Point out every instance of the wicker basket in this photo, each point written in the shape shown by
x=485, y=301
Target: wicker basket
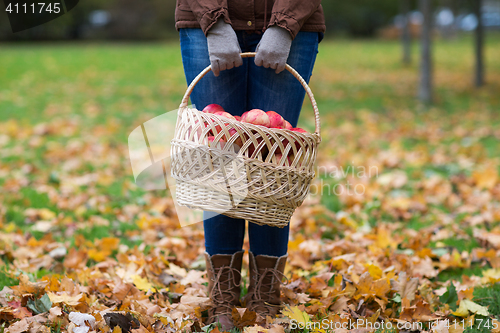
x=242, y=176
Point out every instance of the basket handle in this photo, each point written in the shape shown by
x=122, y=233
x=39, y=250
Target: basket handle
x=316, y=133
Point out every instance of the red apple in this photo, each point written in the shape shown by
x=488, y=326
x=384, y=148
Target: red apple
x=256, y=117
x=275, y=120
x=224, y=114
x=237, y=118
x=198, y=128
x=238, y=141
x=212, y=108
x=287, y=125
x=219, y=144
x=279, y=156
x=300, y=130
x=263, y=151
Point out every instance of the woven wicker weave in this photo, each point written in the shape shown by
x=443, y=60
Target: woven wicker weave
x=239, y=174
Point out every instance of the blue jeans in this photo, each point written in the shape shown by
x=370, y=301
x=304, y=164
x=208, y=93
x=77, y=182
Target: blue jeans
x=238, y=90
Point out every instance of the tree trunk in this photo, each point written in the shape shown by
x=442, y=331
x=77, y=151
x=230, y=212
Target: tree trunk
x=479, y=44
x=455, y=8
x=448, y=32
x=405, y=35
x=425, y=88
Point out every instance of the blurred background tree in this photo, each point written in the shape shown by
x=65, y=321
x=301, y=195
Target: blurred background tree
x=361, y=18
x=154, y=19
x=94, y=19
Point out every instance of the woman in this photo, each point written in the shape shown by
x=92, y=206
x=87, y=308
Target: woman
x=215, y=32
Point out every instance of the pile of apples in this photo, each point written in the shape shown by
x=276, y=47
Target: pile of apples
x=268, y=119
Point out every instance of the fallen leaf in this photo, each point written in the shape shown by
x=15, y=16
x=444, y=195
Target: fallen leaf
x=243, y=317
x=405, y=287
x=467, y=306
x=294, y=313
x=142, y=283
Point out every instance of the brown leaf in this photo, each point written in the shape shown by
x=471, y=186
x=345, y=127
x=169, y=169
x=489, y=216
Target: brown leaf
x=340, y=305
x=20, y=312
x=27, y=287
x=275, y=328
x=18, y=327
x=423, y=312
x=75, y=259
x=125, y=321
x=406, y=288
x=243, y=317
x=7, y=313
x=54, y=312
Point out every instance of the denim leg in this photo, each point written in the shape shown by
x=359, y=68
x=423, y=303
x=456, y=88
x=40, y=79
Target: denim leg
x=267, y=240
x=227, y=90
x=259, y=88
x=282, y=92
x=285, y=95
x=223, y=235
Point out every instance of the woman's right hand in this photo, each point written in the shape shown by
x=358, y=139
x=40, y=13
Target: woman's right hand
x=223, y=47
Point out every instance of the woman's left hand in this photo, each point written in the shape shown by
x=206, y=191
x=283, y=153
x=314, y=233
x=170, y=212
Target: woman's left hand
x=273, y=48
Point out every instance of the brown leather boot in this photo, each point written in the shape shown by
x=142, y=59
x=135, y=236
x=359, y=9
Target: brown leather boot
x=224, y=277
x=266, y=273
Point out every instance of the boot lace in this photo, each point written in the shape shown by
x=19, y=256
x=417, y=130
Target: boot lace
x=223, y=293
x=258, y=301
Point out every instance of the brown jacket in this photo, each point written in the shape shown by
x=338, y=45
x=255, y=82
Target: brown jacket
x=293, y=15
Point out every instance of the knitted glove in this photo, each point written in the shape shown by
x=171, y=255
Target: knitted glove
x=223, y=47
x=273, y=48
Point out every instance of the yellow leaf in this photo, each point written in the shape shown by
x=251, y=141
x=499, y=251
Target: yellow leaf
x=294, y=244
x=337, y=281
x=467, y=305
x=166, y=320
x=10, y=227
x=65, y=298
x=345, y=219
x=46, y=214
x=142, y=283
x=294, y=313
x=373, y=318
x=98, y=255
x=462, y=310
x=374, y=271
x=496, y=326
x=117, y=329
x=109, y=244
x=491, y=275
x=467, y=293
x=33, y=242
x=470, y=320
x=486, y=178
x=384, y=238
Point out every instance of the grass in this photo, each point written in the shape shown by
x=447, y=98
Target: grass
x=119, y=86
x=125, y=81
x=6, y=280
x=489, y=297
